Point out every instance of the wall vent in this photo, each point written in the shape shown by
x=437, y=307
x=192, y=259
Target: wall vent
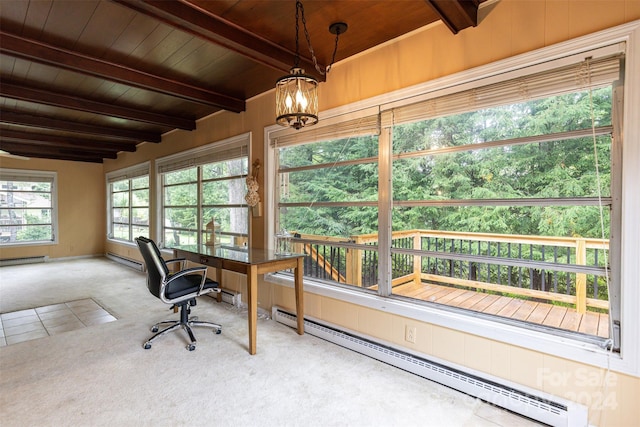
x=137, y=265
x=539, y=406
x=23, y=260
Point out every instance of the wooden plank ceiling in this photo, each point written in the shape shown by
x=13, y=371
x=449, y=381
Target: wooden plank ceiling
x=85, y=80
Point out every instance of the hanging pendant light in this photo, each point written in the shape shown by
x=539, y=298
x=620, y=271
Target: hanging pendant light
x=297, y=99
x=297, y=92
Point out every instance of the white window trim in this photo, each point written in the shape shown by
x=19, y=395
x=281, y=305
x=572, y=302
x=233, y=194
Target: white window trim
x=54, y=203
x=628, y=361
x=126, y=173
x=205, y=150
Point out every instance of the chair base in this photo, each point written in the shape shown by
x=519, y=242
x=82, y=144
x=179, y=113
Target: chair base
x=184, y=323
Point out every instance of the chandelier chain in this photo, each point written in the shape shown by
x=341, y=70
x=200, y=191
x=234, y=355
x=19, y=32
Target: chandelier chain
x=297, y=59
x=300, y=7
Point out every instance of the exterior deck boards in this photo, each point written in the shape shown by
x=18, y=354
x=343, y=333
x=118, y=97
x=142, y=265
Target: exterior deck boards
x=566, y=318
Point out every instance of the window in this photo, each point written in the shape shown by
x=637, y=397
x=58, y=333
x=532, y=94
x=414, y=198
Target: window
x=205, y=186
x=27, y=207
x=128, y=192
x=506, y=205
x=327, y=196
x=497, y=197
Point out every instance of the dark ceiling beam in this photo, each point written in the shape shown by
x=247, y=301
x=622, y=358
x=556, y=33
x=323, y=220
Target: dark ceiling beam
x=457, y=15
x=97, y=146
x=21, y=119
x=38, y=51
x=56, y=99
x=19, y=149
x=191, y=18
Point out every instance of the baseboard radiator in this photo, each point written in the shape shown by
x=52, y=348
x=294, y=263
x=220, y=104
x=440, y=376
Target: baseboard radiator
x=24, y=260
x=137, y=265
x=544, y=408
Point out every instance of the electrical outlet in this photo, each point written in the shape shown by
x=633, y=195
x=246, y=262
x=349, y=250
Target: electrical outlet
x=410, y=334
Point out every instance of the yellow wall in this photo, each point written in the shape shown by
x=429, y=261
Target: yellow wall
x=81, y=209
x=510, y=27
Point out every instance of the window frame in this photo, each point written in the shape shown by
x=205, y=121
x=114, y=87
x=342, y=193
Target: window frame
x=130, y=173
x=199, y=157
x=34, y=175
x=628, y=360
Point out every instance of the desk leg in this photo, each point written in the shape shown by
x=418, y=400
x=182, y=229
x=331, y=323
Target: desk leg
x=252, y=299
x=299, y=295
x=219, y=280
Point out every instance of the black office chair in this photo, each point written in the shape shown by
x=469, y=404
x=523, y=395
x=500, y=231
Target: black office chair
x=179, y=289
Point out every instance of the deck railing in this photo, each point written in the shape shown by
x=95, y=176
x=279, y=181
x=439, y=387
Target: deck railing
x=560, y=269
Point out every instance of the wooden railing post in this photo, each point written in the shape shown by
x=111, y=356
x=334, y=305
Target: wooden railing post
x=417, y=259
x=581, y=278
x=354, y=264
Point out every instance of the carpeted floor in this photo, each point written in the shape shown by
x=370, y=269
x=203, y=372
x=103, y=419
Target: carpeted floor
x=101, y=376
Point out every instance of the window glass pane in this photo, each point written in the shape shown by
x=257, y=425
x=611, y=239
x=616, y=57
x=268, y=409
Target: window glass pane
x=227, y=191
x=538, y=117
x=120, y=215
x=140, y=182
x=26, y=211
x=210, y=192
x=181, y=176
x=121, y=231
x=120, y=200
x=140, y=216
x=120, y=185
x=181, y=195
x=173, y=237
x=226, y=168
x=25, y=186
x=34, y=233
x=328, y=152
x=139, y=230
x=140, y=198
x=34, y=199
x=540, y=170
x=232, y=222
x=326, y=177
x=559, y=221
x=184, y=218
x=342, y=222
x=341, y=183
x=129, y=208
x=485, y=254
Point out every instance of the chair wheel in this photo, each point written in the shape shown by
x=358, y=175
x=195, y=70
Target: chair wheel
x=218, y=331
x=154, y=329
x=147, y=345
x=191, y=347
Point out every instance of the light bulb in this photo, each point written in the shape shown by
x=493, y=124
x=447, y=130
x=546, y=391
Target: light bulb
x=301, y=100
x=288, y=102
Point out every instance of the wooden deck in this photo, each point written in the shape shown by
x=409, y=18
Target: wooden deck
x=566, y=318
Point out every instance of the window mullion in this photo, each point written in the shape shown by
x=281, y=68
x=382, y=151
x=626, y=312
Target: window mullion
x=615, y=244
x=130, y=211
x=200, y=208
x=385, y=197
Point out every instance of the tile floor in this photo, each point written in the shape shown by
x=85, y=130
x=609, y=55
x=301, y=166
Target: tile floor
x=40, y=322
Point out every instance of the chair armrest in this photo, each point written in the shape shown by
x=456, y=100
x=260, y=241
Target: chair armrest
x=202, y=271
x=182, y=262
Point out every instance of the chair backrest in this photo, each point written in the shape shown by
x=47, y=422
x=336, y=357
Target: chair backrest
x=157, y=269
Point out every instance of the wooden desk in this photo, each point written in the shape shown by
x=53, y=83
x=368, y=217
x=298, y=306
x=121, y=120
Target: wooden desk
x=251, y=262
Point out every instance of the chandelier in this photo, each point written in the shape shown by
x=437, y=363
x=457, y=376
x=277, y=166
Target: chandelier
x=297, y=92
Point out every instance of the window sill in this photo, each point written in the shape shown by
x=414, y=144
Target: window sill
x=25, y=244
x=564, y=347
x=121, y=242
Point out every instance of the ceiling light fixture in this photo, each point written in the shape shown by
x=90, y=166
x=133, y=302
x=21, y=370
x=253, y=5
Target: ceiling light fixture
x=297, y=92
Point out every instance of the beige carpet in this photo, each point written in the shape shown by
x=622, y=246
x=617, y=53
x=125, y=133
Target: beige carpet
x=101, y=376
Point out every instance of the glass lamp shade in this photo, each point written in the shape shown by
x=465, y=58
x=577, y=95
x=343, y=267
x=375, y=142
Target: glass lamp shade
x=297, y=100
